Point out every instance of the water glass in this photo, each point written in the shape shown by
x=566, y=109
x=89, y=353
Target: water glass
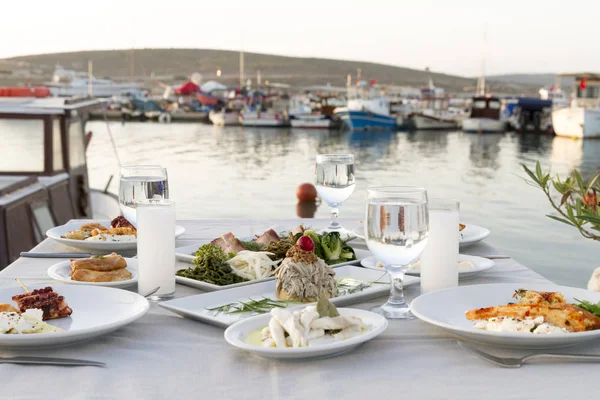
x=335, y=183
x=138, y=183
x=396, y=232
x=156, y=247
x=439, y=261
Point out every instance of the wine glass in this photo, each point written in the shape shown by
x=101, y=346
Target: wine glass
x=396, y=231
x=335, y=182
x=138, y=183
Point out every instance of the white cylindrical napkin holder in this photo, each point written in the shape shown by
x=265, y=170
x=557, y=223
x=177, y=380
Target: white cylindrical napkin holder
x=156, y=247
x=439, y=261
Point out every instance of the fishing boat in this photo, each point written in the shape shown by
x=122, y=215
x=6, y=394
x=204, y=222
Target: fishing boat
x=312, y=113
x=44, y=177
x=265, y=110
x=224, y=117
x=526, y=114
x=434, y=111
x=485, y=116
x=368, y=108
x=582, y=118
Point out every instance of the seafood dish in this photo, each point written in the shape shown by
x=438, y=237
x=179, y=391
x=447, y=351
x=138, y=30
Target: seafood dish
x=311, y=326
x=121, y=230
x=537, y=313
x=108, y=268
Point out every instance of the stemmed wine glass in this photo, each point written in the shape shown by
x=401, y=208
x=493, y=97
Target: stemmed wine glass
x=138, y=183
x=335, y=182
x=396, y=231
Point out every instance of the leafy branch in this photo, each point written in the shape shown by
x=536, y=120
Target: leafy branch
x=579, y=206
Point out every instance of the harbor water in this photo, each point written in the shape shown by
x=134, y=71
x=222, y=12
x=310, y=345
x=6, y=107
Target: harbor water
x=234, y=172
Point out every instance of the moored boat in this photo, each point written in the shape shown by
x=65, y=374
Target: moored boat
x=224, y=117
x=267, y=118
x=582, y=118
x=44, y=177
x=485, y=116
x=368, y=108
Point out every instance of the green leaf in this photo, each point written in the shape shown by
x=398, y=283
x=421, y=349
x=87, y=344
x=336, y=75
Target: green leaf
x=531, y=175
x=325, y=308
x=594, y=219
x=579, y=181
x=564, y=221
x=538, y=170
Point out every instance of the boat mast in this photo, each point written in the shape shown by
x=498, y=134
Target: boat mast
x=481, y=80
x=241, y=69
x=90, y=77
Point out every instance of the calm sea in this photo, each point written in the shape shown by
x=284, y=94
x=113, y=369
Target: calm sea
x=230, y=172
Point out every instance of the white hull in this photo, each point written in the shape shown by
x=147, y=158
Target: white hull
x=481, y=125
x=576, y=122
x=424, y=122
x=264, y=119
x=311, y=123
x=224, y=119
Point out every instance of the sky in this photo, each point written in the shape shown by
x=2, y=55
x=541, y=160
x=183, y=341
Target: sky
x=524, y=36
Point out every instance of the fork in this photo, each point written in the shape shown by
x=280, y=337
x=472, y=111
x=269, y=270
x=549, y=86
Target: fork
x=509, y=362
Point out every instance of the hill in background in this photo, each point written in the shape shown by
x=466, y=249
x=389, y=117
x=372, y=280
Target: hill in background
x=175, y=65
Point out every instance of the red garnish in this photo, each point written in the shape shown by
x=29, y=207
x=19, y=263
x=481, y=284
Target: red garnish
x=306, y=243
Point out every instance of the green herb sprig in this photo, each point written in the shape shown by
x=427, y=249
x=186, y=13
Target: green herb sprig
x=262, y=306
x=588, y=306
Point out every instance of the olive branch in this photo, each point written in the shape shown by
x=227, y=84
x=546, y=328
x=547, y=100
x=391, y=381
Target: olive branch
x=578, y=207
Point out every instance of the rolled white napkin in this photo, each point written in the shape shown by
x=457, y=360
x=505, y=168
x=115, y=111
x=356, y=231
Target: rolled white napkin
x=594, y=283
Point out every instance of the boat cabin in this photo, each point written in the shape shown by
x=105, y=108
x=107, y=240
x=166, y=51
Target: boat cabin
x=586, y=88
x=43, y=168
x=486, y=107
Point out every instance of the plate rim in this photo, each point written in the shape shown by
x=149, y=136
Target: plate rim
x=230, y=337
x=51, y=272
x=50, y=233
x=464, y=273
x=10, y=340
x=503, y=335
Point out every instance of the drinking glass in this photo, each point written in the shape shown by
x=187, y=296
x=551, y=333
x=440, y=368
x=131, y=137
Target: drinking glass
x=439, y=261
x=335, y=182
x=156, y=247
x=396, y=231
x=139, y=183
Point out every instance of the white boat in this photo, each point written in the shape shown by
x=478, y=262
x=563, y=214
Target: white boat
x=68, y=83
x=576, y=122
x=485, y=116
x=582, y=118
x=435, y=112
x=264, y=118
x=303, y=115
x=428, y=120
x=223, y=118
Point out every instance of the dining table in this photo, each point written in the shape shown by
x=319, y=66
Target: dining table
x=165, y=356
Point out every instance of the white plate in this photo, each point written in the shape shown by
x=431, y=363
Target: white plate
x=480, y=264
x=96, y=311
x=472, y=234
x=446, y=309
x=209, y=287
x=95, y=246
x=236, y=336
x=62, y=272
x=469, y=236
x=196, y=307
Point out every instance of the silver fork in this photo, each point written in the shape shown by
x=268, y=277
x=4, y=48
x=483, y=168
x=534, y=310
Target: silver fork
x=509, y=362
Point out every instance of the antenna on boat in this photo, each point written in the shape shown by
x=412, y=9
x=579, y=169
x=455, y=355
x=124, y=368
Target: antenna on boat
x=481, y=79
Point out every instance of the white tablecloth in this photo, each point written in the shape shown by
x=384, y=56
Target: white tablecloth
x=165, y=356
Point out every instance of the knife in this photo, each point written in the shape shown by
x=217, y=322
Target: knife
x=51, y=361
x=54, y=255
